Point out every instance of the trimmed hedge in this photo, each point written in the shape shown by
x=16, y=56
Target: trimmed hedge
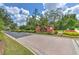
x=71, y=33
x=30, y=31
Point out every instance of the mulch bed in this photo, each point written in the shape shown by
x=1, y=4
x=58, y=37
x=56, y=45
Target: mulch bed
x=2, y=46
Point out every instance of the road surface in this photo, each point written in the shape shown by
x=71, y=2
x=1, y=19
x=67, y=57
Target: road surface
x=45, y=44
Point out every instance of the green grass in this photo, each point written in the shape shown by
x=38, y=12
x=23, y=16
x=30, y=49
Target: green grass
x=12, y=47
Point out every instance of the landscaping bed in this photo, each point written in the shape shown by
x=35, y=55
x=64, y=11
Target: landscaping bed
x=66, y=33
x=70, y=33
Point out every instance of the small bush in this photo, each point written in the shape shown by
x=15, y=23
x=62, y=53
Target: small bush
x=55, y=32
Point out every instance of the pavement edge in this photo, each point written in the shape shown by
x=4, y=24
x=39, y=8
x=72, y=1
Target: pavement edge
x=20, y=43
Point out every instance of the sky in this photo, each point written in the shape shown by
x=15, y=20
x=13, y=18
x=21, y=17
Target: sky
x=20, y=11
x=28, y=6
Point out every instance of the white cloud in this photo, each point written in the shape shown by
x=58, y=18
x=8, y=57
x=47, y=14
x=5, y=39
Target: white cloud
x=77, y=16
x=51, y=6
x=61, y=5
x=25, y=12
x=12, y=10
x=20, y=19
x=73, y=9
x=19, y=15
x=68, y=10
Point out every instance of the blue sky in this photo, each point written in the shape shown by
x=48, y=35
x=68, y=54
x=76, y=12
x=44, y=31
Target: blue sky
x=32, y=6
x=71, y=4
x=28, y=6
x=20, y=11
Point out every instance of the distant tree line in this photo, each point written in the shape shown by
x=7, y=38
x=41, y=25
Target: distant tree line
x=54, y=18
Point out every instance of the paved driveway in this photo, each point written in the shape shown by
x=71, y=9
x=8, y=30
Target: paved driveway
x=18, y=34
x=48, y=45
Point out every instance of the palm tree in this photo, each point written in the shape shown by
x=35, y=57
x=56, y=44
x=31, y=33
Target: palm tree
x=55, y=14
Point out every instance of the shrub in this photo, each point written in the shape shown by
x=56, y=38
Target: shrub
x=30, y=31
x=71, y=33
x=55, y=32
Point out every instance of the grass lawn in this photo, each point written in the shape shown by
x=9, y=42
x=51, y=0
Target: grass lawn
x=12, y=47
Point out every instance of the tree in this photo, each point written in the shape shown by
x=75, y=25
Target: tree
x=1, y=19
x=68, y=21
x=55, y=15
x=1, y=24
x=13, y=26
x=7, y=20
x=77, y=24
x=71, y=24
x=32, y=21
x=30, y=24
x=43, y=23
x=35, y=13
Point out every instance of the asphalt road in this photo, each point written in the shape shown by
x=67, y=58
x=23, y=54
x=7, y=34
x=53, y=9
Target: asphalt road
x=18, y=34
x=45, y=44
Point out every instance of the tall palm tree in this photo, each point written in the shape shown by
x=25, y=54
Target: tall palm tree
x=55, y=14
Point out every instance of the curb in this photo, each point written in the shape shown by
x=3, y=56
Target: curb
x=30, y=49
